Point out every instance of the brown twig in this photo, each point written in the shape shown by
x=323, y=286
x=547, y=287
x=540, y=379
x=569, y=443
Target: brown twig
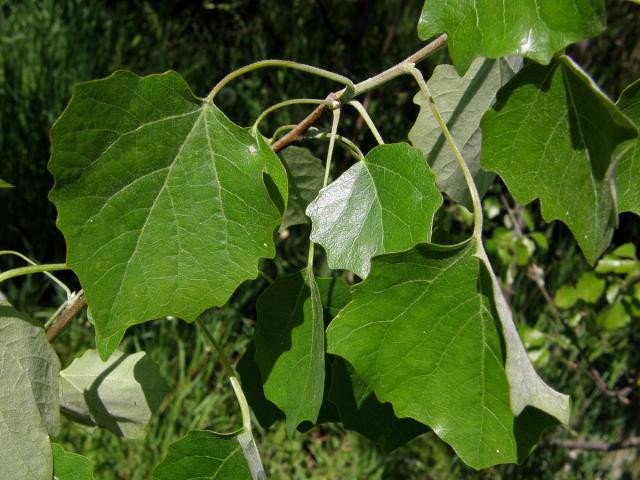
x=599, y=446
x=73, y=309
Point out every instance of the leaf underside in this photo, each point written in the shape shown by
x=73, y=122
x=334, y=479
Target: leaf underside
x=423, y=333
x=161, y=198
x=554, y=136
x=535, y=29
x=382, y=204
x=628, y=170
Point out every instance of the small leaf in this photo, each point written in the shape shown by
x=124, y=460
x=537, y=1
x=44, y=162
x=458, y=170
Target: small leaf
x=361, y=411
x=628, y=170
x=553, y=135
x=70, y=466
x=203, y=455
x=120, y=394
x=627, y=250
x=462, y=101
x=617, y=265
x=382, y=204
x=423, y=332
x=566, y=297
x=590, y=288
x=165, y=204
x=613, y=317
x=29, y=409
x=536, y=29
x=305, y=173
x=4, y=184
x=289, y=343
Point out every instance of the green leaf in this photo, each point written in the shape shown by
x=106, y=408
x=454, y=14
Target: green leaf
x=204, y=455
x=553, y=135
x=4, y=184
x=305, y=173
x=424, y=333
x=626, y=250
x=289, y=343
x=617, y=265
x=28, y=397
x=566, y=297
x=382, y=204
x=462, y=101
x=120, y=394
x=70, y=466
x=613, y=317
x=360, y=410
x=335, y=293
x=590, y=288
x=628, y=170
x=165, y=204
x=536, y=29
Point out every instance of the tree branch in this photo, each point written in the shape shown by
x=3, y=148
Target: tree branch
x=598, y=446
x=73, y=309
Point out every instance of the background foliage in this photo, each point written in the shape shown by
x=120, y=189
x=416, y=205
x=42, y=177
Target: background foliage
x=46, y=46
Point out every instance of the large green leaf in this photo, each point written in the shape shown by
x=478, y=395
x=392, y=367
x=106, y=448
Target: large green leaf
x=536, y=29
x=165, y=204
x=29, y=409
x=628, y=171
x=204, y=455
x=382, y=204
x=120, y=394
x=424, y=333
x=305, y=173
x=554, y=136
x=462, y=101
x=289, y=343
x=70, y=466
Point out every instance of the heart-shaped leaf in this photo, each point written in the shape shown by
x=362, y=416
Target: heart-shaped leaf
x=536, y=29
x=554, y=136
x=165, y=204
x=628, y=170
x=382, y=204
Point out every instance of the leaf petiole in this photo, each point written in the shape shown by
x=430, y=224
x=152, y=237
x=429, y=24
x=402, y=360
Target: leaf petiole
x=367, y=119
x=286, y=103
x=50, y=267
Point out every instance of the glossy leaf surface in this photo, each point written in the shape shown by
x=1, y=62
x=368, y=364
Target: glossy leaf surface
x=120, y=394
x=289, y=343
x=70, y=466
x=382, y=204
x=462, y=101
x=29, y=409
x=164, y=203
x=554, y=136
x=628, y=170
x=536, y=29
x=424, y=334
x=305, y=173
x=203, y=455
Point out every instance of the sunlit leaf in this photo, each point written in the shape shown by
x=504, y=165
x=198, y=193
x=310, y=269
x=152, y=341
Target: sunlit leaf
x=70, y=466
x=4, y=184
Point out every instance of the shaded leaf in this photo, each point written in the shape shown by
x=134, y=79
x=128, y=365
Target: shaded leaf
x=335, y=293
x=70, y=466
x=305, y=173
x=289, y=343
x=613, y=317
x=165, y=204
x=536, y=29
x=628, y=170
x=382, y=204
x=204, y=455
x=120, y=394
x=424, y=333
x=554, y=136
x=29, y=409
x=462, y=101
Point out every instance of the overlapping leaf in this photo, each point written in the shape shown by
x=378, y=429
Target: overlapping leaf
x=29, y=409
x=628, y=170
x=289, y=343
x=424, y=334
x=536, y=29
x=382, y=204
x=462, y=101
x=305, y=174
x=554, y=136
x=120, y=394
x=165, y=204
x=203, y=455
x=70, y=466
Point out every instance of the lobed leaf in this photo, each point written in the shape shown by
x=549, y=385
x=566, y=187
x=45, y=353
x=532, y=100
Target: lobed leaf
x=554, y=135
x=165, y=204
x=536, y=29
x=120, y=394
x=628, y=170
x=289, y=343
x=382, y=204
x=29, y=410
x=70, y=466
x=462, y=101
x=204, y=455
